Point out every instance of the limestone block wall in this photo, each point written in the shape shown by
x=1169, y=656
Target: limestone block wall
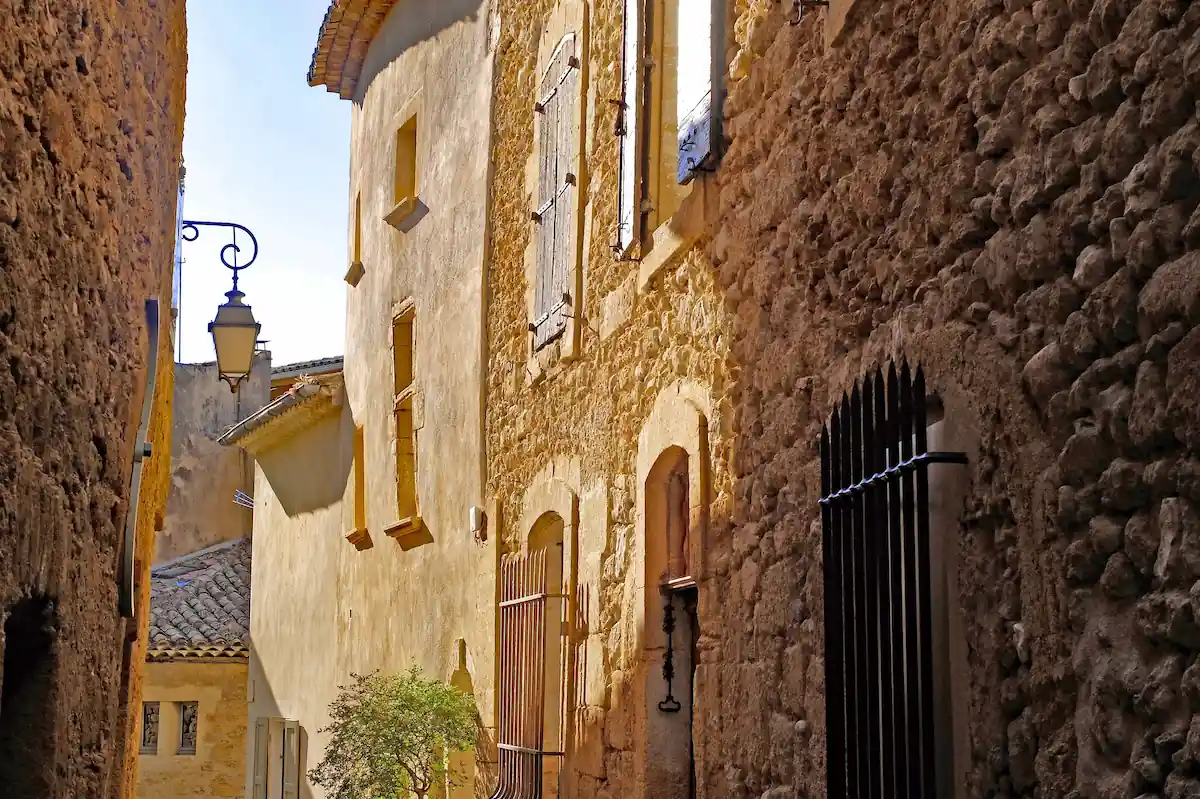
x=1006, y=193
x=91, y=115
x=217, y=769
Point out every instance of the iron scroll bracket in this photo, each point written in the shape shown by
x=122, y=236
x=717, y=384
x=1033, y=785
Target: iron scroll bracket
x=190, y=231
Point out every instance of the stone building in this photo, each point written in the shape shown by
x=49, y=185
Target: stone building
x=91, y=120
x=193, y=712
x=205, y=476
x=836, y=370
x=1001, y=193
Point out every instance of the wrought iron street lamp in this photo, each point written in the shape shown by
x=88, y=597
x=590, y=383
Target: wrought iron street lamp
x=234, y=330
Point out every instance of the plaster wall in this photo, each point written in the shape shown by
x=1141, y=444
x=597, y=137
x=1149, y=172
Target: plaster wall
x=296, y=597
x=91, y=120
x=216, y=770
x=204, y=474
x=321, y=607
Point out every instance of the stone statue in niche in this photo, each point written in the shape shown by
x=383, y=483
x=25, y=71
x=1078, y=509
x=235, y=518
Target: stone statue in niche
x=187, y=726
x=149, y=727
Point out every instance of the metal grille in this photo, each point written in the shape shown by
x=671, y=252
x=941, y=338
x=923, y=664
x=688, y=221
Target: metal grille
x=524, y=591
x=875, y=544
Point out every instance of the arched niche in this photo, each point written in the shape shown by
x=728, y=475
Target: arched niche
x=672, y=525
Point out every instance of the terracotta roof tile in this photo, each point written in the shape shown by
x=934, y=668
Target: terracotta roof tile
x=201, y=602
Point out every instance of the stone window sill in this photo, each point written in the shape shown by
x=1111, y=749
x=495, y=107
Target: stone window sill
x=401, y=212
x=360, y=538
x=355, y=273
x=409, y=533
x=672, y=239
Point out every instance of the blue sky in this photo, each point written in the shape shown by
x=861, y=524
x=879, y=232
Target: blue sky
x=264, y=149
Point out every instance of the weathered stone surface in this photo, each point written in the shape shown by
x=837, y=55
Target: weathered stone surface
x=91, y=127
x=1183, y=386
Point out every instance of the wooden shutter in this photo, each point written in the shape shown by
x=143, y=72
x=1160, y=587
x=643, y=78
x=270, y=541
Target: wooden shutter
x=696, y=80
x=629, y=130
x=260, y=759
x=556, y=193
x=291, y=760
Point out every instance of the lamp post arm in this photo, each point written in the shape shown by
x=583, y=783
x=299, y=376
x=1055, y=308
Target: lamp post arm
x=190, y=231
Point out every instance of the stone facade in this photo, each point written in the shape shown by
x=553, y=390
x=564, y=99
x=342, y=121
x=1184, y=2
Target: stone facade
x=204, y=475
x=216, y=770
x=355, y=535
x=1002, y=192
x=91, y=119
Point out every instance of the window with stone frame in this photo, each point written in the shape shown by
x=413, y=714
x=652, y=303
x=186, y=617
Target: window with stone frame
x=404, y=406
x=150, y=716
x=669, y=123
x=556, y=112
x=189, y=727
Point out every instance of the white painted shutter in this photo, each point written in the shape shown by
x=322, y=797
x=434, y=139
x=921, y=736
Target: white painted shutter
x=261, y=732
x=629, y=130
x=698, y=123
x=291, y=760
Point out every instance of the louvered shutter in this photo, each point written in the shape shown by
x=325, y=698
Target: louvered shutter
x=291, y=760
x=556, y=194
x=697, y=79
x=631, y=83
x=260, y=759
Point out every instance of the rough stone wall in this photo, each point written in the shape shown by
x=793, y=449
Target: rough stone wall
x=204, y=474
x=1007, y=193
x=91, y=124
x=218, y=768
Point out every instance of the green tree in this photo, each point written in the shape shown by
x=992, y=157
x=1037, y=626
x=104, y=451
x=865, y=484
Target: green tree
x=392, y=734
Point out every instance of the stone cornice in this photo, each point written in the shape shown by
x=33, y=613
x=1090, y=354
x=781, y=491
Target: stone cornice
x=346, y=33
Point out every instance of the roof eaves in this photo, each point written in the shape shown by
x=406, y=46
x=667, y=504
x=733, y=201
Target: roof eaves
x=306, y=402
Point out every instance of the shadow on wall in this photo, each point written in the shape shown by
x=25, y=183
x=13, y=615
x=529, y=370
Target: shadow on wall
x=309, y=472
x=408, y=25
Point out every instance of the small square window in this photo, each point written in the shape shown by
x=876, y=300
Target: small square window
x=149, y=745
x=189, y=727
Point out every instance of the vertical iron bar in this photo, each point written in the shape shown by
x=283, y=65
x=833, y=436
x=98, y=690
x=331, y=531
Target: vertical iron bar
x=911, y=622
x=899, y=729
x=849, y=640
x=835, y=727
x=866, y=502
x=862, y=679
x=928, y=762
x=883, y=593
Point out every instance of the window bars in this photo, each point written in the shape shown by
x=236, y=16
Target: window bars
x=521, y=737
x=875, y=544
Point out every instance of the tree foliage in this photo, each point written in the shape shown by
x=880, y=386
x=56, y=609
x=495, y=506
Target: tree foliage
x=392, y=734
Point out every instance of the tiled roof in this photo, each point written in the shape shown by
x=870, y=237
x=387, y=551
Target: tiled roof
x=346, y=33
x=319, y=365
x=309, y=400
x=200, y=604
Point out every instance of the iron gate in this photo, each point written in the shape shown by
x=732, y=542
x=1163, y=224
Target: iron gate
x=875, y=547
